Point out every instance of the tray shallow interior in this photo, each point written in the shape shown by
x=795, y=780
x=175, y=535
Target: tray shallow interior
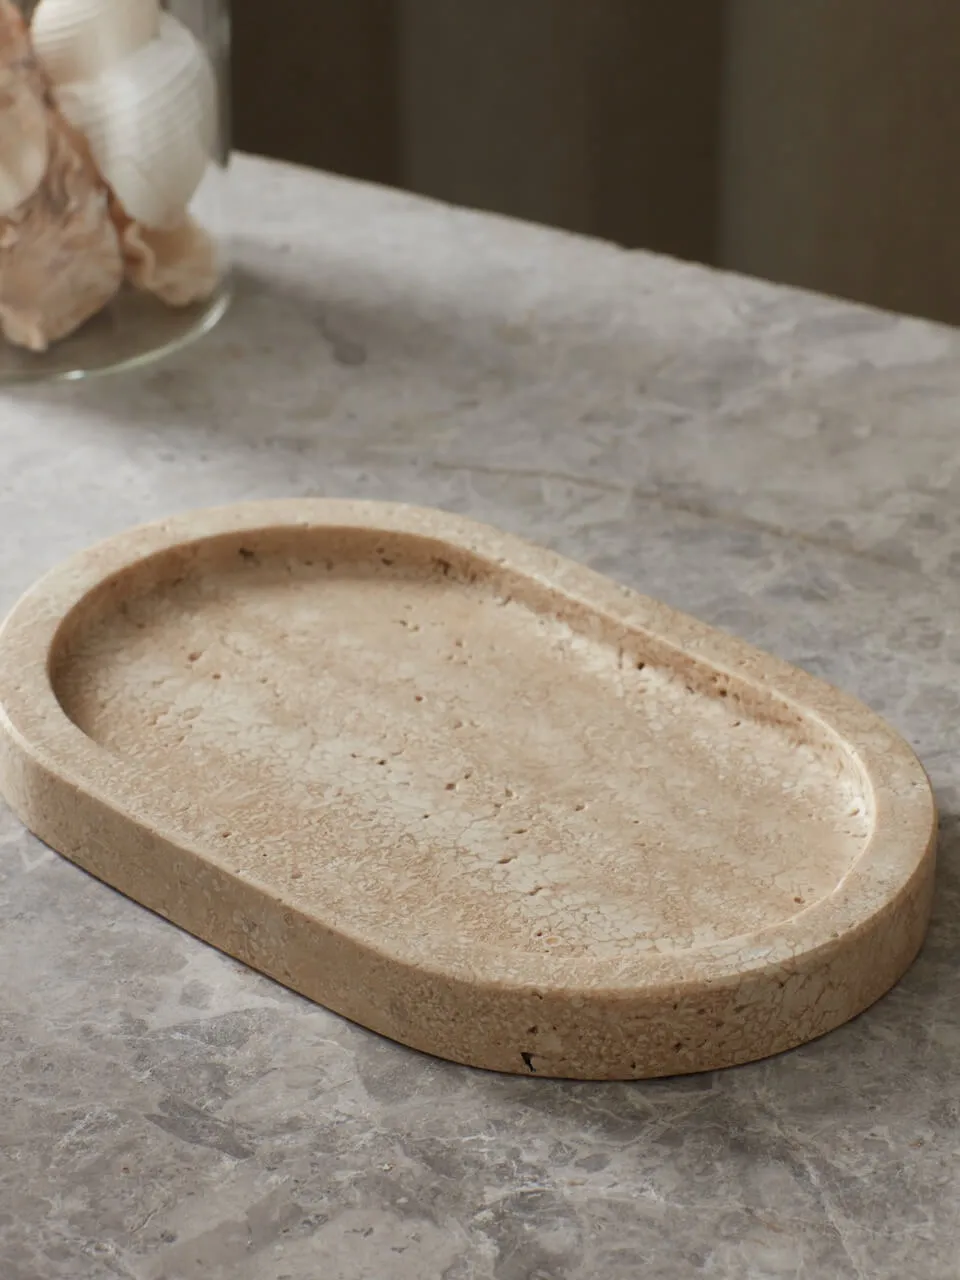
x=405, y=740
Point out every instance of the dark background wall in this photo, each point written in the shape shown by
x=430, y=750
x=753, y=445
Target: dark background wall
x=841, y=142
x=315, y=81
x=811, y=141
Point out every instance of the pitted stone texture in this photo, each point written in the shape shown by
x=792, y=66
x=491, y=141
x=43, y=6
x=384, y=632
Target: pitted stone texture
x=464, y=792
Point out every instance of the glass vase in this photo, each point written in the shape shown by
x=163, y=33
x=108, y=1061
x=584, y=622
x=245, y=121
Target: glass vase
x=114, y=143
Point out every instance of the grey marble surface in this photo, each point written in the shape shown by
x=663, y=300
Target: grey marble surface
x=784, y=466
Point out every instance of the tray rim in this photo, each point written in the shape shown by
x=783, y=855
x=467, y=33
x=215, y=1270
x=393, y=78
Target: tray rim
x=895, y=865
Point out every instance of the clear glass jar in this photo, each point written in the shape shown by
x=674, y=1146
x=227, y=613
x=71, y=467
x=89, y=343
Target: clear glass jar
x=114, y=143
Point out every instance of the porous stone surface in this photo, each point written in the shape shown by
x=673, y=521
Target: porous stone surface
x=780, y=465
x=463, y=792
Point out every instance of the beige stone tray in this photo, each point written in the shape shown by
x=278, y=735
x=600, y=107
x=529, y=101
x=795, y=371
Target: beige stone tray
x=467, y=794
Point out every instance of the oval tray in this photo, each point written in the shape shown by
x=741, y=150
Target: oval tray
x=463, y=792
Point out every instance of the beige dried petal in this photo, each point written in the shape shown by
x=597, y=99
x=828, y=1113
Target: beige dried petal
x=60, y=259
x=178, y=266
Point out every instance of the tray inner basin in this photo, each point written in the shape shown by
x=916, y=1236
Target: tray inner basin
x=405, y=738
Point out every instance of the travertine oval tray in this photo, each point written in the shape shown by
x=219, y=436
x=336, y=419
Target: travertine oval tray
x=468, y=794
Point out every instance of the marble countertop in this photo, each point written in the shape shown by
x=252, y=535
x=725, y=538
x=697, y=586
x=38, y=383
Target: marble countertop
x=782, y=465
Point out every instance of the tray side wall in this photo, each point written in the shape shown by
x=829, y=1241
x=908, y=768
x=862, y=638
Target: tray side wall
x=597, y=1035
